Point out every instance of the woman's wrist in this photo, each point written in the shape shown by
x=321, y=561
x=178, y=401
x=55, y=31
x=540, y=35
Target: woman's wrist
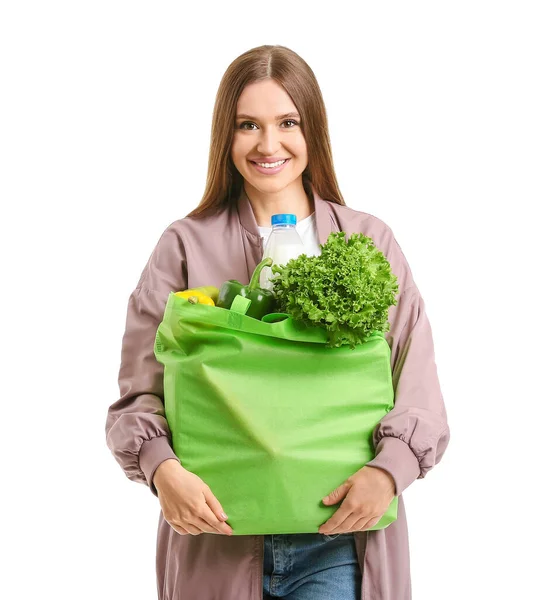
x=163, y=469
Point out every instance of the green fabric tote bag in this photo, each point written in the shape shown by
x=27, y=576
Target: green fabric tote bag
x=266, y=415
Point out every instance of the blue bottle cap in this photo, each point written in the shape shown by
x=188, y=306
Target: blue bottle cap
x=283, y=219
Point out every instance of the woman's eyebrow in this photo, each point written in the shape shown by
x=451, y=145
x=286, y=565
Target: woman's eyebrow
x=278, y=118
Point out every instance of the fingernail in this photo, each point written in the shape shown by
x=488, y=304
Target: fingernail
x=224, y=516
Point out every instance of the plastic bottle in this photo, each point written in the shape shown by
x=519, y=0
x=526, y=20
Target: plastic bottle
x=284, y=243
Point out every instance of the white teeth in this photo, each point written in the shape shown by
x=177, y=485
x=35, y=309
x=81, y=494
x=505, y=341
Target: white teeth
x=271, y=165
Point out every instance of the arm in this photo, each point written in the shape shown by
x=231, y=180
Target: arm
x=413, y=436
x=137, y=432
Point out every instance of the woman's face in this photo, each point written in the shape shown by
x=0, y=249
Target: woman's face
x=267, y=129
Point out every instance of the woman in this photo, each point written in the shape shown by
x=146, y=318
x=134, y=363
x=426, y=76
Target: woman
x=269, y=109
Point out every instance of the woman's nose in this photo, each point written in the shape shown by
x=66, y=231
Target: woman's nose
x=269, y=141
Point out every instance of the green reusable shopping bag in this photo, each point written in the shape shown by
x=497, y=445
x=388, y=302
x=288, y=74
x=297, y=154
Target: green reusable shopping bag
x=266, y=415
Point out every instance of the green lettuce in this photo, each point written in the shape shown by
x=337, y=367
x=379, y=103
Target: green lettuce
x=348, y=289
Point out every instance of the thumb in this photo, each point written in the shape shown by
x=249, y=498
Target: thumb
x=214, y=505
x=338, y=494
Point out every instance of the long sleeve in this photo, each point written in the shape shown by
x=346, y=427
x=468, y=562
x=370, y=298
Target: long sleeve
x=137, y=432
x=411, y=439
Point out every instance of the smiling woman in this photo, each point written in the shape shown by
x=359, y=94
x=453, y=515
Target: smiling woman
x=270, y=137
x=269, y=150
x=270, y=153
x=266, y=144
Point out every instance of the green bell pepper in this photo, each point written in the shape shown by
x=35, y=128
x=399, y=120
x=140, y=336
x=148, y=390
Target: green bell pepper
x=262, y=300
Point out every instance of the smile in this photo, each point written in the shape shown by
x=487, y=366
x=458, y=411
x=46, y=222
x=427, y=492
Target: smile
x=272, y=168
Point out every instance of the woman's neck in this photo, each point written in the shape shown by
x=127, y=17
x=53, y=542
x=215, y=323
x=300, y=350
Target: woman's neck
x=292, y=199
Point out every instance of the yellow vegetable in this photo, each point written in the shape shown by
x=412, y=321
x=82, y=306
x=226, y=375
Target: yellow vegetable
x=207, y=290
x=196, y=297
x=203, y=299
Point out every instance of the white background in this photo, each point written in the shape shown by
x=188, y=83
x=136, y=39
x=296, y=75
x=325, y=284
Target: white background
x=435, y=113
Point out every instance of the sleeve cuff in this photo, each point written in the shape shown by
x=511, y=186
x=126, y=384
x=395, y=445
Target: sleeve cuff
x=394, y=456
x=152, y=453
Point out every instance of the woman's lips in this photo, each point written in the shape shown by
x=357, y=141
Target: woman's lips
x=270, y=170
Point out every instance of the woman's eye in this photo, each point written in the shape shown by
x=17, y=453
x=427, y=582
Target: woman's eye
x=242, y=125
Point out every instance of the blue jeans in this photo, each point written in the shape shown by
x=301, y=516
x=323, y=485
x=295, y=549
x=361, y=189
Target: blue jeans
x=311, y=566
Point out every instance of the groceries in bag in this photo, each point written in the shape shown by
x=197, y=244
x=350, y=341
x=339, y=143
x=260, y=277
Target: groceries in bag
x=267, y=415
x=284, y=243
x=347, y=290
x=262, y=301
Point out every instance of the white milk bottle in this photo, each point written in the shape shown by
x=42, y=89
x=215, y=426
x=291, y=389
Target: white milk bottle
x=284, y=243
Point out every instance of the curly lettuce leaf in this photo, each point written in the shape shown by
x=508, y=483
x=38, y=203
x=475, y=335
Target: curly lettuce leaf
x=348, y=289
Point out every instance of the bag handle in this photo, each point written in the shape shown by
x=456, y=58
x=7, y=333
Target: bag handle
x=240, y=304
x=275, y=317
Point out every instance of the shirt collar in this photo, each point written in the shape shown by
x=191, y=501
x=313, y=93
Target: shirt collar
x=323, y=217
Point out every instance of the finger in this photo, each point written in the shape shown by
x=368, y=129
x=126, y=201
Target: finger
x=214, y=505
x=211, y=519
x=364, y=523
x=336, y=521
x=346, y=526
x=371, y=523
x=209, y=524
x=359, y=524
x=180, y=529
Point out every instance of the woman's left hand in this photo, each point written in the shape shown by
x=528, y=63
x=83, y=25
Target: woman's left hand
x=368, y=493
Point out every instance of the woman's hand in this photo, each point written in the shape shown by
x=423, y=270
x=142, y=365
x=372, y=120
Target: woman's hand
x=368, y=493
x=188, y=504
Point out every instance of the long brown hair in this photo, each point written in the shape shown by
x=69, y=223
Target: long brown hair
x=287, y=68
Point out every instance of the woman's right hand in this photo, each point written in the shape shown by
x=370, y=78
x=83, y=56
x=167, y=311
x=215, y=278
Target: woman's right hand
x=188, y=504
